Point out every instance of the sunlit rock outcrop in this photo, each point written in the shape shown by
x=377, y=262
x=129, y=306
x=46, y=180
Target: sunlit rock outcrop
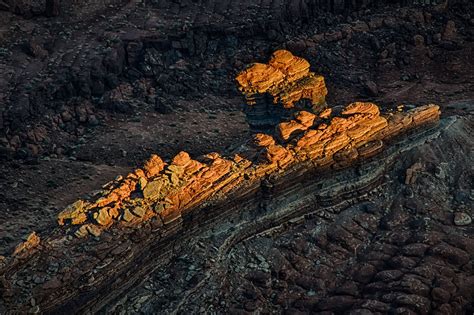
x=102, y=239
x=281, y=84
x=165, y=189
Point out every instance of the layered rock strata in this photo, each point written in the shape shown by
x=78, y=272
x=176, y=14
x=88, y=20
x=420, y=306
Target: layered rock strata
x=185, y=196
x=165, y=190
x=286, y=80
x=164, y=203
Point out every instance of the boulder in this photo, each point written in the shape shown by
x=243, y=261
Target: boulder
x=286, y=78
x=263, y=140
x=74, y=212
x=153, y=166
x=181, y=159
x=103, y=217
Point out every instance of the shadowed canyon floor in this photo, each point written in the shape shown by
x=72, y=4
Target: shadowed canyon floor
x=108, y=86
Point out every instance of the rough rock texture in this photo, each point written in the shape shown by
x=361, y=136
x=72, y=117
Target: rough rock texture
x=67, y=75
x=175, y=91
x=285, y=80
x=165, y=198
x=167, y=190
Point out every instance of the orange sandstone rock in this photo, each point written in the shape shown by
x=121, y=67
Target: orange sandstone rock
x=325, y=113
x=361, y=108
x=181, y=159
x=103, y=216
x=31, y=242
x=263, y=140
x=286, y=129
x=305, y=118
x=278, y=154
x=259, y=78
x=303, y=121
x=286, y=78
x=311, y=87
x=293, y=67
x=153, y=166
x=74, y=212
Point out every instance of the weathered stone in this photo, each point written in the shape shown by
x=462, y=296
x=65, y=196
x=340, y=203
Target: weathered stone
x=128, y=216
x=153, y=190
x=263, y=140
x=286, y=129
x=462, y=219
x=74, y=212
x=325, y=113
x=153, y=166
x=361, y=108
x=305, y=118
x=286, y=79
x=181, y=159
x=103, y=217
x=31, y=242
x=142, y=182
x=139, y=211
x=94, y=230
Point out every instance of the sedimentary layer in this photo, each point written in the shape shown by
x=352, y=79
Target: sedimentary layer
x=156, y=208
x=105, y=241
x=286, y=78
x=165, y=190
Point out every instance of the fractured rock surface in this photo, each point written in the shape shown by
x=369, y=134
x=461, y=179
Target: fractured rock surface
x=285, y=80
x=354, y=50
x=174, y=199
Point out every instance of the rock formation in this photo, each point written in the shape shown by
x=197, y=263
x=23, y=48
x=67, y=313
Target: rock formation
x=166, y=200
x=285, y=80
x=166, y=190
x=31, y=242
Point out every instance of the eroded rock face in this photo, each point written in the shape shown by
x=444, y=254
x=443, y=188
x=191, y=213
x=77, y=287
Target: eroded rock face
x=284, y=81
x=286, y=78
x=155, y=202
x=166, y=190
